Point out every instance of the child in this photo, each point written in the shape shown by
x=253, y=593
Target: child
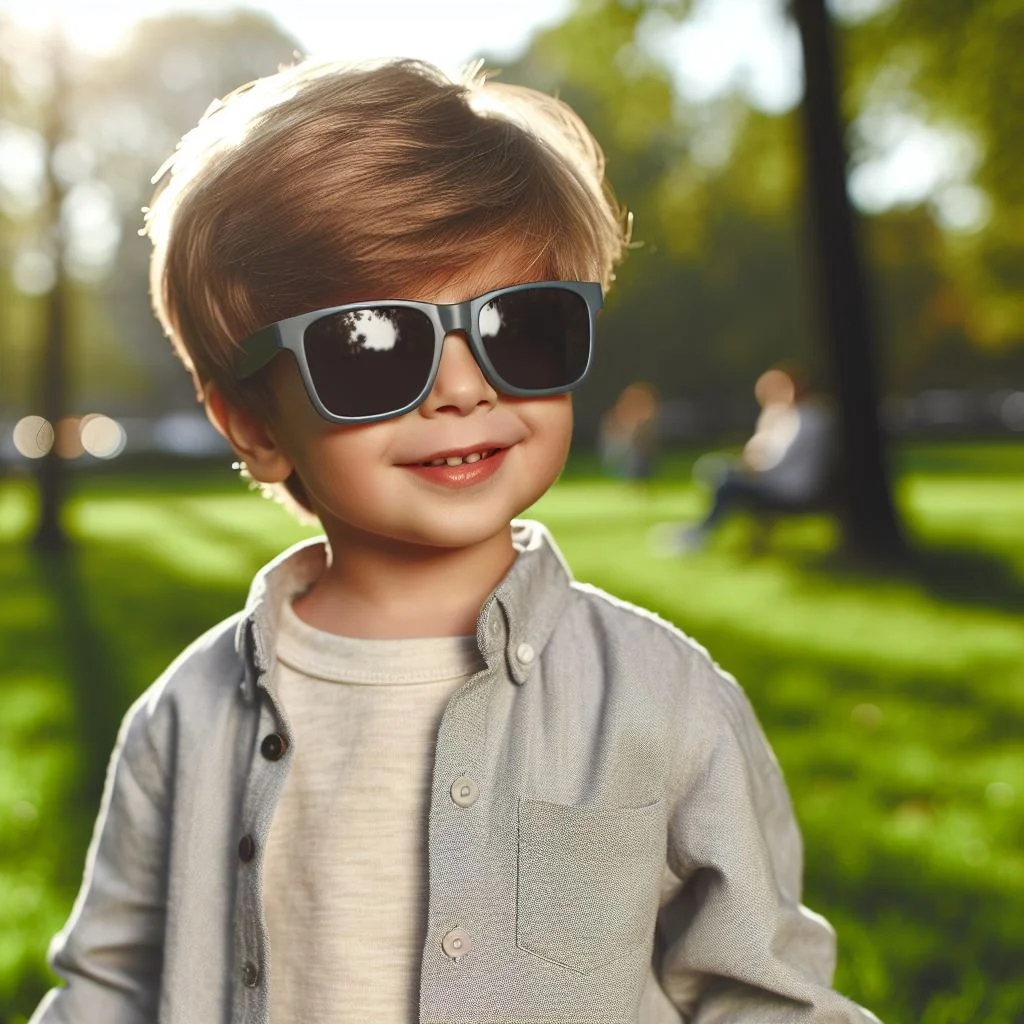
x=424, y=775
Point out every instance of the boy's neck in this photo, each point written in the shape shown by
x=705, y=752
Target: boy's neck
x=390, y=591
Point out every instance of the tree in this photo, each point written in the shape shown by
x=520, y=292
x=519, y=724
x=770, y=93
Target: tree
x=952, y=63
x=599, y=51
x=121, y=117
x=50, y=534
x=105, y=125
x=871, y=528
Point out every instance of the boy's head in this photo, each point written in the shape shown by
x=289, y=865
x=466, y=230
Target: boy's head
x=327, y=184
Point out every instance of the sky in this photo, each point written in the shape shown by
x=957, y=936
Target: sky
x=446, y=31
x=744, y=44
x=725, y=41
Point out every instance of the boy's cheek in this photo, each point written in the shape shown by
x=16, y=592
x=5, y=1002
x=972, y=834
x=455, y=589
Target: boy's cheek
x=561, y=415
x=551, y=420
x=551, y=415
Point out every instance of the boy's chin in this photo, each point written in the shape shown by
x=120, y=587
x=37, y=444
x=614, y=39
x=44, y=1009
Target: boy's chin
x=452, y=532
x=458, y=532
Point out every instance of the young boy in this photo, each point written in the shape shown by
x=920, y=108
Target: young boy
x=424, y=775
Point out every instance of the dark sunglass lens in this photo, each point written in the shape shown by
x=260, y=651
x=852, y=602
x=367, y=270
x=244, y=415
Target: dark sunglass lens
x=537, y=338
x=365, y=362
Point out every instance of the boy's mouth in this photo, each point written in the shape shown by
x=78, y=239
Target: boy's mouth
x=459, y=460
x=460, y=468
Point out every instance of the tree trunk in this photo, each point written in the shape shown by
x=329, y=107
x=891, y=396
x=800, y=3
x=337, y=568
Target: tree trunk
x=51, y=469
x=871, y=527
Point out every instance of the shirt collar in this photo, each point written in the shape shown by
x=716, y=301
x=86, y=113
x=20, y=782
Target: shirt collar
x=515, y=622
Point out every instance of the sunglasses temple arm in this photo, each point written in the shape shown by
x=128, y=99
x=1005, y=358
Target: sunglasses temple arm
x=256, y=351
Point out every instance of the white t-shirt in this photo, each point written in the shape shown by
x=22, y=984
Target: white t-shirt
x=345, y=874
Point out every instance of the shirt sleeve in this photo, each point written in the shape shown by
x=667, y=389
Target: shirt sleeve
x=735, y=942
x=110, y=953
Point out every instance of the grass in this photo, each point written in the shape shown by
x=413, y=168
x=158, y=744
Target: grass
x=895, y=705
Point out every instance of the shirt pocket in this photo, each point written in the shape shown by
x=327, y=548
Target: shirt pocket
x=589, y=881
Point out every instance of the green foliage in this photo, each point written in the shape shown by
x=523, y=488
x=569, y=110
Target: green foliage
x=125, y=115
x=895, y=705
x=957, y=64
x=595, y=50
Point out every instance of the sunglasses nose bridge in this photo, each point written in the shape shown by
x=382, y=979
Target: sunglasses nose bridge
x=455, y=316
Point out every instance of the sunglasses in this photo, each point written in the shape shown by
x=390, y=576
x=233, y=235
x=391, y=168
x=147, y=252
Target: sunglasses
x=371, y=361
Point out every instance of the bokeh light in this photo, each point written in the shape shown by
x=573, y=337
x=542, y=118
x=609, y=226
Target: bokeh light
x=102, y=436
x=34, y=271
x=33, y=437
x=95, y=434
x=68, y=443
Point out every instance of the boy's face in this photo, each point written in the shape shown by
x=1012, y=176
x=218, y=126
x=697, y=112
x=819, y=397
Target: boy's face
x=368, y=483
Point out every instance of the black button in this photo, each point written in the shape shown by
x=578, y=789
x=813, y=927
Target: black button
x=273, y=746
x=247, y=848
x=250, y=974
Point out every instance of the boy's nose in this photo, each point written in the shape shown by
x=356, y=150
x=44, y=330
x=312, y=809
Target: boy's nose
x=460, y=385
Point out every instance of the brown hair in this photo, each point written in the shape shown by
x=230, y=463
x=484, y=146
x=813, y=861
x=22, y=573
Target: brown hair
x=330, y=182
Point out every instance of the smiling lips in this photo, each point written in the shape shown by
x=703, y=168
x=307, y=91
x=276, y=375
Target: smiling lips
x=460, y=469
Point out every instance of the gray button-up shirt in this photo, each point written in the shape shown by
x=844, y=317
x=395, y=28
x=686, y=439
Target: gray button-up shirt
x=610, y=839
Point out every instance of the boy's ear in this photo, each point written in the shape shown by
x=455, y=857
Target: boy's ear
x=249, y=436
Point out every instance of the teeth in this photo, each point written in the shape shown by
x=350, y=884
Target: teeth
x=458, y=460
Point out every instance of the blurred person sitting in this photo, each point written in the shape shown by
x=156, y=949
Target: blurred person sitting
x=628, y=440
x=785, y=466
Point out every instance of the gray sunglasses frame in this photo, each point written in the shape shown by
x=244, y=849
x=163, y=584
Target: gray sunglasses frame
x=257, y=350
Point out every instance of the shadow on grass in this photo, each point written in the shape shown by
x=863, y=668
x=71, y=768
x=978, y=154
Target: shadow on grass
x=959, y=576
x=955, y=574
x=93, y=667
x=962, y=576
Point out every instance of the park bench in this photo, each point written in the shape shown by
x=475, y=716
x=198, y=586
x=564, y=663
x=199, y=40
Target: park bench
x=769, y=510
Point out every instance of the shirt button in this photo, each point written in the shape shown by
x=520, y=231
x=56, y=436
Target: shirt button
x=465, y=791
x=246, y=848
x=525, y=653
x=495, y=625
x=250, y=974
x=456, y=943
x=273, y=747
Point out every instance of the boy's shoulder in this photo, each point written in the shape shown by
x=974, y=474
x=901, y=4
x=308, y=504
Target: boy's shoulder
x=645, y=646
x=195, y=686
x=198, y=690
x=614, y=636
x=666, y=679
x=205, y=672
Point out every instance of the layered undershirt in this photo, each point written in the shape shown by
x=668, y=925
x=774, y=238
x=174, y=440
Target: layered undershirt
x=345, y=873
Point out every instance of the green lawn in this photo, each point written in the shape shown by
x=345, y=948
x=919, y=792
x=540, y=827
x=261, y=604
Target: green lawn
x=895, y=705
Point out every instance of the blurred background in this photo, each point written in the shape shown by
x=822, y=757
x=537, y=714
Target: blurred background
x=834, y=188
